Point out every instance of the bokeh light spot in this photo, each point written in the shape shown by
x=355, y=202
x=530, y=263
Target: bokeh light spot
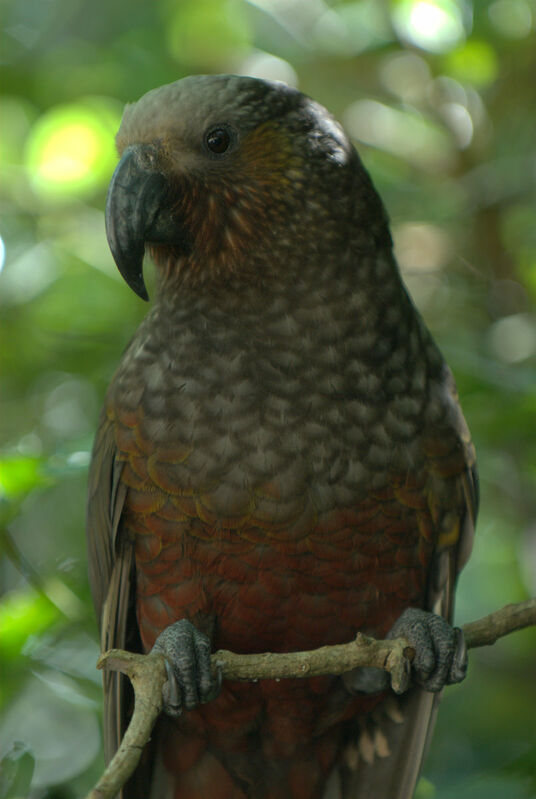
x=269, y=67
x=70, y=151
x=434, y=25
x=511, y=18
x=421, y=247
x=406, y=75
x=459, y=121
x=513, y=338
x=404, y=133
x=2, y=253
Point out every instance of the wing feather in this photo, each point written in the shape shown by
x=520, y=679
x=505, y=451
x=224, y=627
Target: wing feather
x=112, y=580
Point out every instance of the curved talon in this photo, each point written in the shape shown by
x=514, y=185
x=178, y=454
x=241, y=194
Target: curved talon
x=172, y=693
x=215, y=689
x=458, y=669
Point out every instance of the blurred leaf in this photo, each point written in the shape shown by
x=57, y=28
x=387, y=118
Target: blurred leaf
x=74, y=654
x=23, y=613
x=524, y=767
x=61, y=730
x=350, y=28
x=16, y=771
x=19, y=475
x=425, y=789
x=475, y=62
x=207, y=31
x=17, y=115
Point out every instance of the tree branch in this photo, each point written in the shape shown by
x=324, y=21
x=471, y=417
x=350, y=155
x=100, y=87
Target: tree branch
x=148, y=675
x=487, y=630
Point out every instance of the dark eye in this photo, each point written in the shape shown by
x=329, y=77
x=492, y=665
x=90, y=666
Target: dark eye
x=218, y=140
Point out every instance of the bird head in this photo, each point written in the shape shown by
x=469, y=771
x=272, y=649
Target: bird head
x=216, y=172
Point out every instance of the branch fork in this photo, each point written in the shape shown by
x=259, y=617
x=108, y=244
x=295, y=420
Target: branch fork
x=147, y=674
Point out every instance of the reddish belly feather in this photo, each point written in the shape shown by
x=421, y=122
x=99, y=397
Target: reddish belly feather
x=272, y=589
x=275, y=593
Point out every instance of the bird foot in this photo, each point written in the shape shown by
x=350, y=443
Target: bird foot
x=440, y=650
x=440, y=655
x=190, y=681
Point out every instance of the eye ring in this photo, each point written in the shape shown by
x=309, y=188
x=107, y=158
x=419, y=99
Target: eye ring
x=219, y=140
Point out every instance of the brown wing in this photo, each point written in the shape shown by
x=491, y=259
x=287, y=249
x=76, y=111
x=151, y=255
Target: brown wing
x=111, y=576
x=385, y=758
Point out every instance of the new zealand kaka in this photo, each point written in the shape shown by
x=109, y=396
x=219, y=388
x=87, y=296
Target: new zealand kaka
x=281, y=460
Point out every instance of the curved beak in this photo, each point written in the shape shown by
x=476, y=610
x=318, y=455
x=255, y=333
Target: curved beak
x=138, y=211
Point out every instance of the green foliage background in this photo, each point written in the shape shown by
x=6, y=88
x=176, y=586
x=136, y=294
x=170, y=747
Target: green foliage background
x=440, y=97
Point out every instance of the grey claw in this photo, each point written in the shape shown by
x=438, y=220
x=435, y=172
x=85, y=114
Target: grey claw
x=440, y=652
x=188, y=666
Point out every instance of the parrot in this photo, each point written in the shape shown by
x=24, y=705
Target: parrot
x=281, y=461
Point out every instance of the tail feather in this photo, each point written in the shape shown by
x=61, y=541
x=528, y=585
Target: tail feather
x=384, y=759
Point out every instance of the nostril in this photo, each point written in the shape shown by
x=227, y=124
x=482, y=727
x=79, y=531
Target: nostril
x=148, y=156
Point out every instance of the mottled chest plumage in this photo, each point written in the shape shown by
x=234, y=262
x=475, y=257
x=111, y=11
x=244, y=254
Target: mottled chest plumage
x=301, y=397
